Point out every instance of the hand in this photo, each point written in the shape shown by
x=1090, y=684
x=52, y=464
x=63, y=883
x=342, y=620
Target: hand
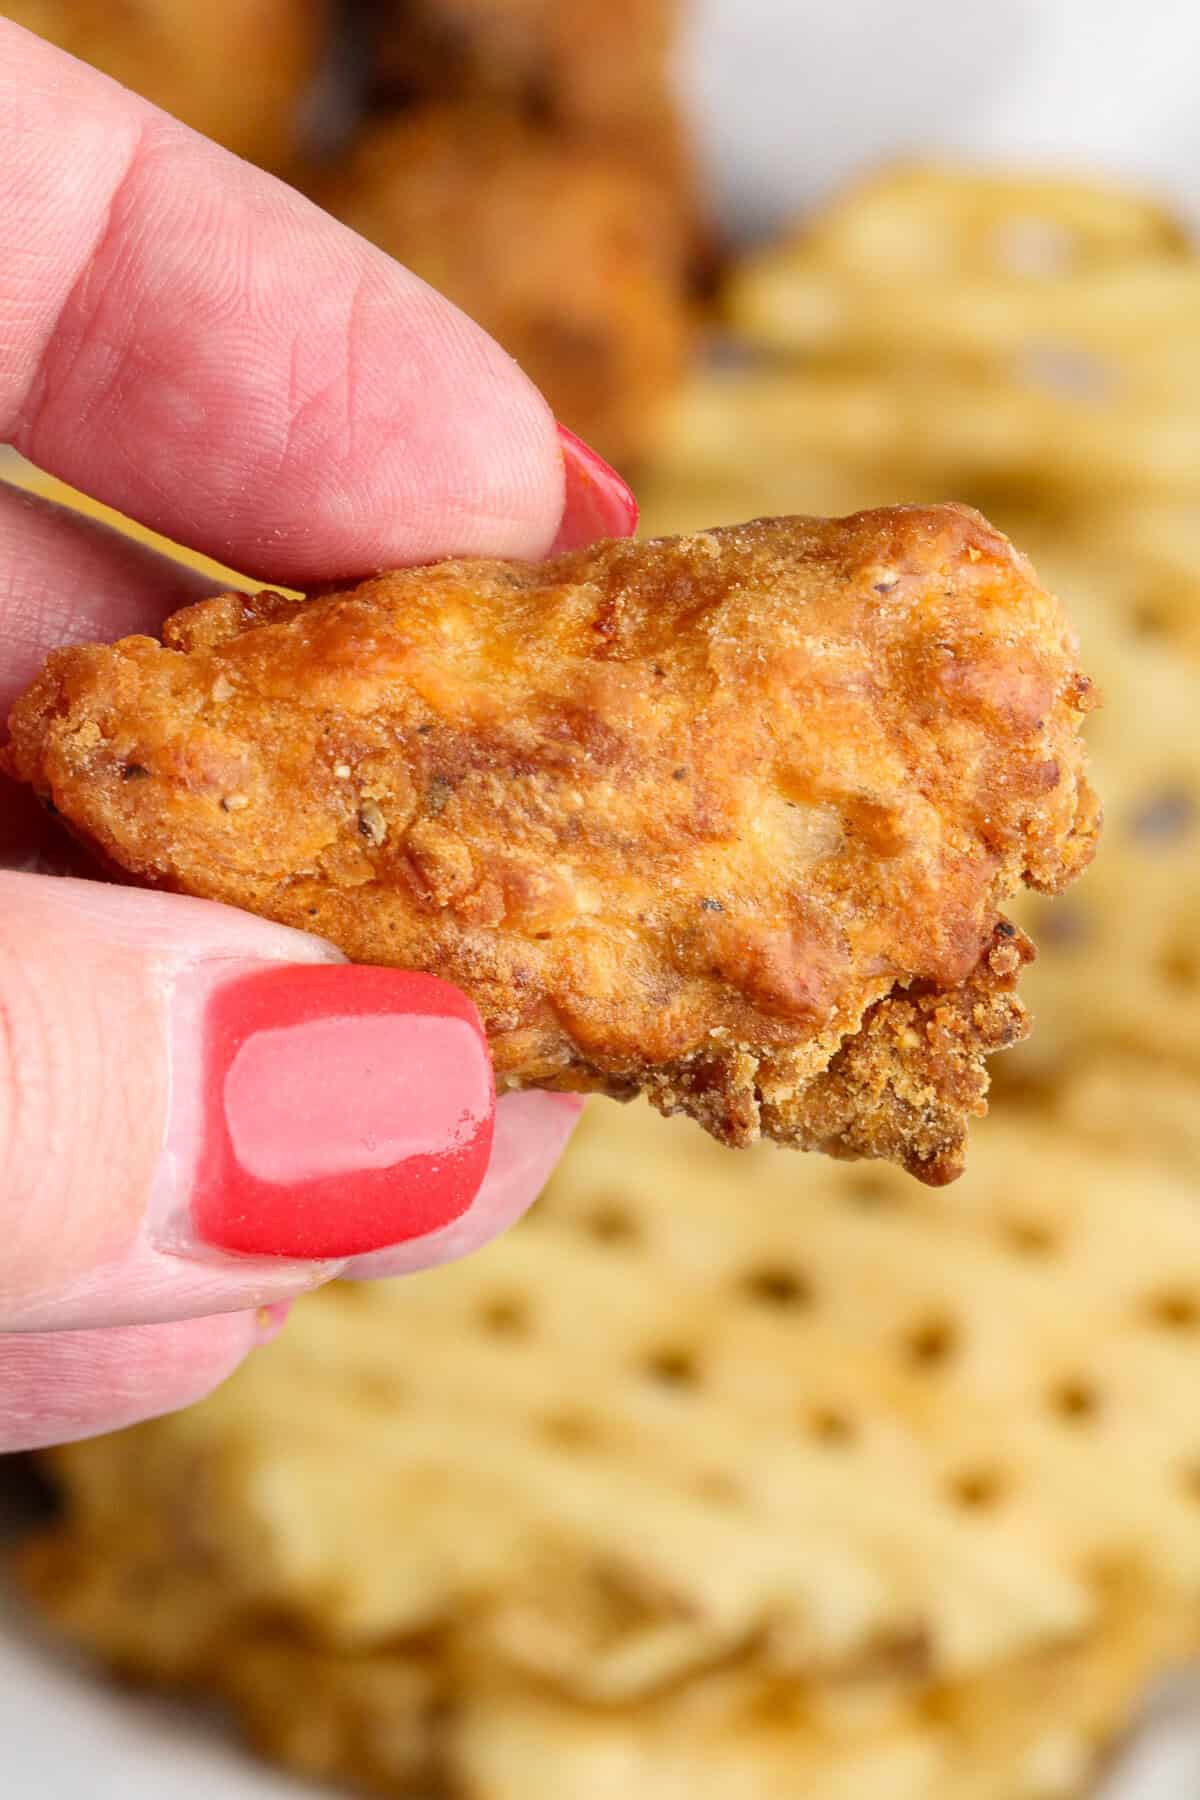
x=195, y=344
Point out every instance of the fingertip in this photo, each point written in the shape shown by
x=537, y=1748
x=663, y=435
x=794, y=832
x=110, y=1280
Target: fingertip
x=96, y=988
x=56, y=1387
x=70, y=579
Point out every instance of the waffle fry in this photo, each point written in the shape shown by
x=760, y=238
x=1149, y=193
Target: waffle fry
x=959, y=260
x=925, y=219
x=725, y=1739
x=1111, y=1096
x=651, y=1437
x=987, y=440
x=1120, y=966
x=416, y=1721
x=404, y=1722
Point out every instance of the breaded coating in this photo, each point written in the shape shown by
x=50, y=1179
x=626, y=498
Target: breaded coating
x=572, y=257
x=237, y=70
x=725, y=819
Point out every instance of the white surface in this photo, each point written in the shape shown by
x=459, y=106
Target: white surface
x=67, y=1736
x=790, y=97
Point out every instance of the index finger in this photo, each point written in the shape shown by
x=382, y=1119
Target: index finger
x=193, y=342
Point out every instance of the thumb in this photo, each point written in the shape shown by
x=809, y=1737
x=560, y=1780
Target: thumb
x=203, y=1112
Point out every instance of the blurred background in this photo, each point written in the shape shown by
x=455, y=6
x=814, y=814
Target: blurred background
x=744, y=1476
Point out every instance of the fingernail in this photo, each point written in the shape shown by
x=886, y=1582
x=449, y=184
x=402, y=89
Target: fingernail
x=269, y=1321
x=342, y=1109
x=532, y=1130
x=599, y=503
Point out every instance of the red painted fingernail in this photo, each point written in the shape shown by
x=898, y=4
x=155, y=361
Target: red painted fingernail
x=599, y=503
x=345, y=1109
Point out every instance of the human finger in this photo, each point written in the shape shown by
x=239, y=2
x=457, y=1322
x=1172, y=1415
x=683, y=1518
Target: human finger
x=194, y=343
x=203, y=1112
x=67, y=579
x=58, y=1386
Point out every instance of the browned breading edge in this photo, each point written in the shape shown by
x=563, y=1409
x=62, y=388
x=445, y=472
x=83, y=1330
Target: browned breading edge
x=728, y=820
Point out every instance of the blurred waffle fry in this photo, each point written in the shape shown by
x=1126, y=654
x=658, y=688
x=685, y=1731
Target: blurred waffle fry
x=1119, y=966
x=386, y=1719
x=1120, y=1099
x=930, y=431
x=1031, y=1731
x=716, y=1740
x=925, y=219
x=380, y=1720
x=1140, y=558
x=960, y=260
x=859, y=1442
x=419, y=1720
x=1118, y=309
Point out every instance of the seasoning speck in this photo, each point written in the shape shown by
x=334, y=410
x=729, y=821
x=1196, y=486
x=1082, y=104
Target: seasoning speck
x=235, y=802
x=342, y=771
x=371, y=823
x=709, y=905
x=678, y=774
x=440, y=791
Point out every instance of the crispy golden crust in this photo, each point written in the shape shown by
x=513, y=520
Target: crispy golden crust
x=592, y=306
x=724, y=819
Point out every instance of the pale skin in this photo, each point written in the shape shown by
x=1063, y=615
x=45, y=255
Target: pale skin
x=193, y=343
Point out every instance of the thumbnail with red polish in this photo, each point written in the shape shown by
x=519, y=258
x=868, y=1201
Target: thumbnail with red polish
x=345, y=1109
x=598, y=502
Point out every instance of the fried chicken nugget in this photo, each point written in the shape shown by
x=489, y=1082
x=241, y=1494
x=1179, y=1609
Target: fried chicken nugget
x=237, y=70
x=573, y=258
x=598, y=65
x=723, y=819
